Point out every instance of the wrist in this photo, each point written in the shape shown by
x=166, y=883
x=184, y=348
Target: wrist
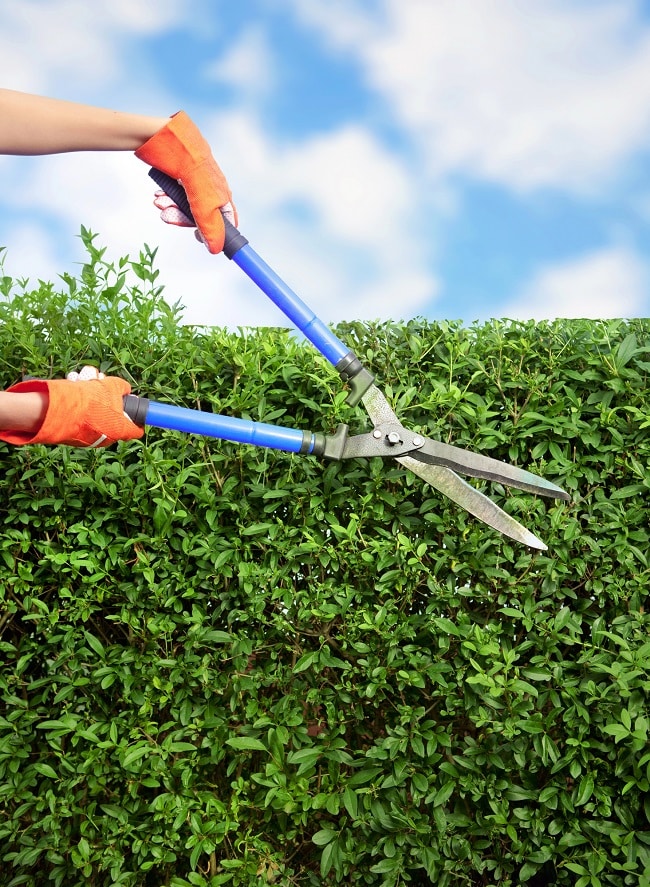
x=145, y=128
x=22, y=411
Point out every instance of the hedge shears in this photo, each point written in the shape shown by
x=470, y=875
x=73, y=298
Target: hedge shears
x=438, y=464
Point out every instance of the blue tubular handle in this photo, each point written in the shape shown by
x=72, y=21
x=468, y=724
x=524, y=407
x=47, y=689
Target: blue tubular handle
x=237, y=248
x=290, y=440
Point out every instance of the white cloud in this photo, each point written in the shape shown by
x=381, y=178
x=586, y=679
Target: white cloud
x=144, y=17
x=360, y=191
x=331, y=215
x=338, y=210
x=74, y=46
x=248, y=65
x=351, y=187
x=527, y=94
x=612, y=282
x=344, y=24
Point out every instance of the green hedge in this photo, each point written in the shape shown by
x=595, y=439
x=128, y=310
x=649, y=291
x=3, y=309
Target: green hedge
x=225, y=665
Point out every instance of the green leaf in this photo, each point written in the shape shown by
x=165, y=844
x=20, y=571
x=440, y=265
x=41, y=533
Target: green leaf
x=217, y=637
x=134, y=755
x=420, y=782
x=245, y=743
x=324, y=836
x=350, y=801
x=64, y=725
x=116, y=812
x=446, y=625
x=562, y=618
x=46, y=770
x=257, y=529
x=95, y=644
x=305, y=661
x=364, y=776
x=527, y=870
x=389, y=864
x=585, y=789
x=626, y=350
x=327, y=858
x=443, y=794
x=304, y=756
x=536, y=674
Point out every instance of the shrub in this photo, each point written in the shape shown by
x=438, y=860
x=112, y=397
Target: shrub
x=226, y=665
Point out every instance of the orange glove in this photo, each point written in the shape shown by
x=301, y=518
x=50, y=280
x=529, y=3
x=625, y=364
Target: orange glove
x=180, y=150
x=84, y=413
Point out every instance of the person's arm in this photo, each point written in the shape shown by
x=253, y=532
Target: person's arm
x=22, y=412
x=84, y=410
x=32, y=124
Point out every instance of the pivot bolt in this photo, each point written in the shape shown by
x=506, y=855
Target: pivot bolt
x=393, y=438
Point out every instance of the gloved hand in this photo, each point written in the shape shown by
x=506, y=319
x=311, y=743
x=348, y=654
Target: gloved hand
x=180, y=150
x=84, y=410
x=174, y=215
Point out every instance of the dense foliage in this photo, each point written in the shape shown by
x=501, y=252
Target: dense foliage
x=225, y=665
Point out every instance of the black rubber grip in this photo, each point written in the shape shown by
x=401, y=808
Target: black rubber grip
x=173, y=189
x=234, y=239
x=136, y=408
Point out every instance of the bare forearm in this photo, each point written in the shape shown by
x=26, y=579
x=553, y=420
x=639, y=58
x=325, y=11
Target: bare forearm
x=22, y=412
x=32, y=124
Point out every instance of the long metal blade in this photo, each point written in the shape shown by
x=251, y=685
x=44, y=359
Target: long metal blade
x=465, y=461
x=476, y=465
x=472, y=500
x=447, y=481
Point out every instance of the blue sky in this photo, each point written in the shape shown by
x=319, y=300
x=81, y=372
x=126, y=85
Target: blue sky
x=459, y=159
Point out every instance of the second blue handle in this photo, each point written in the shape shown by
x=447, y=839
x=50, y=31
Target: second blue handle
x=237, y=248
x=291, y=305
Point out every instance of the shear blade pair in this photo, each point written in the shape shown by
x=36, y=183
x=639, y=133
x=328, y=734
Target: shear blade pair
x=435, y=462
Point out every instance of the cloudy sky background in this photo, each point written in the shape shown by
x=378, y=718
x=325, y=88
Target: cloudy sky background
x=460, y=159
